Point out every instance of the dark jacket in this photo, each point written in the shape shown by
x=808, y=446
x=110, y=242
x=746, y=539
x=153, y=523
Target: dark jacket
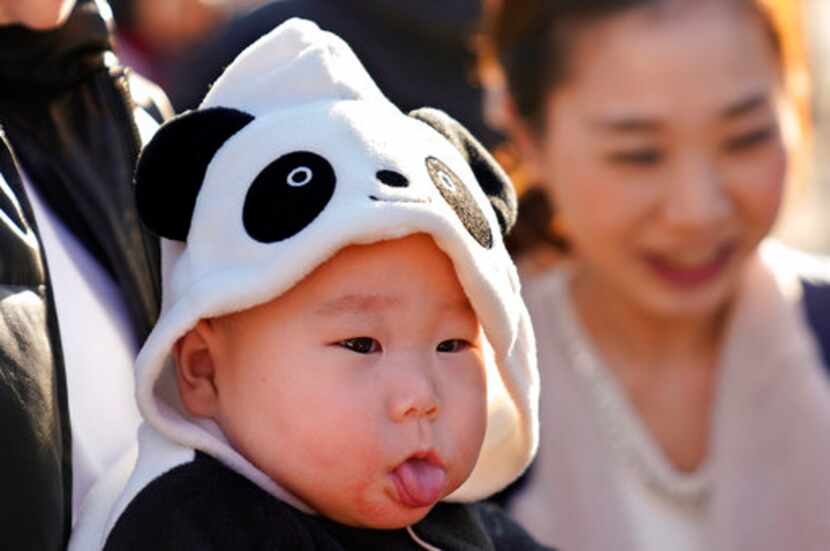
x=66, y=118
x=419, y=53
x=207, y=506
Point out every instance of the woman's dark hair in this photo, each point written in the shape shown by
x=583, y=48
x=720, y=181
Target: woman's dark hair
x=530, y=41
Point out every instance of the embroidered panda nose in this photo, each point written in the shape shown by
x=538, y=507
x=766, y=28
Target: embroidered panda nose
x=392, y=178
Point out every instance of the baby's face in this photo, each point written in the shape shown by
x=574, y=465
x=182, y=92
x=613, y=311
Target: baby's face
x=362, y=390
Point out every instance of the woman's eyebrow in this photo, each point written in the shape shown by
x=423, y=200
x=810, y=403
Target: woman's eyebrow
x=745, y=105
x=628, y=124
x=638, y=124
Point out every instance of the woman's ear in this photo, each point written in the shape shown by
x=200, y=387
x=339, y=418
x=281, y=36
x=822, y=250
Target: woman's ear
x=526, y=139
x=195, y=359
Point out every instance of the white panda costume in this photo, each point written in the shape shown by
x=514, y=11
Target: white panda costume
x=293, y=155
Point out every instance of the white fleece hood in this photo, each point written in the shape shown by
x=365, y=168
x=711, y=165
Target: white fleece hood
x=293, y=155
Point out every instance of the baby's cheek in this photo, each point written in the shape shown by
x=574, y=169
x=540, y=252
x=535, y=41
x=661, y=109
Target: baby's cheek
x=347, y=454
x=357, y=492
x=471, y=439
x=463, y=436
x=369, y=498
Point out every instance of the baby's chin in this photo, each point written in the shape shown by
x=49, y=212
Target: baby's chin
x=389, y=514
x=397, y=500
x=385, y=520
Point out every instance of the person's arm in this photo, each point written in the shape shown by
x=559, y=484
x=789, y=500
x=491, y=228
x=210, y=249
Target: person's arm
x=35, y=466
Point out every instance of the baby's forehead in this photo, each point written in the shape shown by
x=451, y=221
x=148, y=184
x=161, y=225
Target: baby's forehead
x=386, y=276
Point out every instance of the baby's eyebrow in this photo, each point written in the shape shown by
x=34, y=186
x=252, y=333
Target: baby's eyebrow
x=462, y=306
x=356, y=303
x=372, y=303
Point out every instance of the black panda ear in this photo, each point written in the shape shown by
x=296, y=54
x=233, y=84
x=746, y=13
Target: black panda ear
x=171, y=167
x=491, y=177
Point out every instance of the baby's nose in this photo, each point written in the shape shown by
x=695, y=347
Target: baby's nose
x=425, y=407
x=392, y=178
x=417, y=399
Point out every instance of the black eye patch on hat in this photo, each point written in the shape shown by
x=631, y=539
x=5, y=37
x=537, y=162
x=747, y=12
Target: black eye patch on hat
x=171, y=168
x=287, y=196
x=455, y=193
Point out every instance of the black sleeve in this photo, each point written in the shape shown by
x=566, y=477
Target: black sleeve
x=203, y=505
x=817, y=311
x=505, y=533
x=35, y=453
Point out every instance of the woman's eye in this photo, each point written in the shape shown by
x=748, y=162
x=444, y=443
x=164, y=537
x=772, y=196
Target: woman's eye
x=452, y=345
x=361, y=345
x=749, y=140
x=644, y=157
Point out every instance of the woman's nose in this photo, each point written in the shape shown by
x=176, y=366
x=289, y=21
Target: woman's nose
x=696, y=197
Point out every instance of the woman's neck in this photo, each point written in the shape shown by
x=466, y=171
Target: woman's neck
x=629, y=334
x=667, y=367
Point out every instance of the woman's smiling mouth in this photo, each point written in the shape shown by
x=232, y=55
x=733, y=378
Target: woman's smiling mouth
x=691, y=270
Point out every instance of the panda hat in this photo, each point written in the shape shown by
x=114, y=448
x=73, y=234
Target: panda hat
x=293, y=155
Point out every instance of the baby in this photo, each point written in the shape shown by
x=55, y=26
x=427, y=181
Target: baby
x=342, y=345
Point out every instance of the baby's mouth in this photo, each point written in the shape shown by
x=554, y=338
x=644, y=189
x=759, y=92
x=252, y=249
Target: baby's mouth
x=420, y=480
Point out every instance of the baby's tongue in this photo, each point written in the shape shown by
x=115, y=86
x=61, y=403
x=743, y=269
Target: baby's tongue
x=423, y=482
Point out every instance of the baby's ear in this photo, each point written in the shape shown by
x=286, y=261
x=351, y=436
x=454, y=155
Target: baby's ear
x=172, y=166
x=196, y=371
x=491, y=177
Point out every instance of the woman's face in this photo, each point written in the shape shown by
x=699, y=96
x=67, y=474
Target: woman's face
x=36, y=14
x=663, y=152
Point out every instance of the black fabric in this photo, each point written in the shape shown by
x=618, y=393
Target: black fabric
x=455, y=192
x=172, y=167
x=35, y=461
x=492, y=179
x=817, y=310
x=287, y=196
x=18, y=266
x=504, y=499
x=69, y=118
x=204, y=505
x=419, y=53
x=36, y=65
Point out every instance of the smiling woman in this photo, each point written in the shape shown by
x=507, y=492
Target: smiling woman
x=662, y=132
x=673, y=165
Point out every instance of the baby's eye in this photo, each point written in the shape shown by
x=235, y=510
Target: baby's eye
x=453, y=345
x=361, y=345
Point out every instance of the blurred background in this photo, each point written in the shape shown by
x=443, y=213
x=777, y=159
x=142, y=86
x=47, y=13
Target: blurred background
x=421, y=54
x=805, y=223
